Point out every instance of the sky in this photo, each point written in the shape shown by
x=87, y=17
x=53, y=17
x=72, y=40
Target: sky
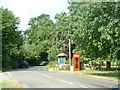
x=26, y=9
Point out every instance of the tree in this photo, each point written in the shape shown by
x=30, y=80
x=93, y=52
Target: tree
x=39, y=34
x=95, y=27
x=11, y=39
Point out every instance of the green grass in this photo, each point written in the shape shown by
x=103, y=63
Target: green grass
x=106, y=74
x=10, y=84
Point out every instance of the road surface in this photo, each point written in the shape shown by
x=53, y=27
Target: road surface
x=38, y=77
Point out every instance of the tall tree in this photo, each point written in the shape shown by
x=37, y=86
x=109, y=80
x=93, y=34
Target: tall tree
x=96, y=29
x=11, y=39
x=39, y=34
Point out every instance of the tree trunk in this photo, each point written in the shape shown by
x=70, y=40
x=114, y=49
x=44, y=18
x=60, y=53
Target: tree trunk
x=108, y=66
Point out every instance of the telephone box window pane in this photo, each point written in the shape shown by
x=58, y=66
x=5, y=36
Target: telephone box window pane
x=61, y=60
x=76, y=62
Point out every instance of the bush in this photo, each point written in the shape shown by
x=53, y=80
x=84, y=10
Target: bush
x=53, y=65
x=64, y=67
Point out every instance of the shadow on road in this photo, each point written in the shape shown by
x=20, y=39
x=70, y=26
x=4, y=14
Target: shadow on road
x=32, y=68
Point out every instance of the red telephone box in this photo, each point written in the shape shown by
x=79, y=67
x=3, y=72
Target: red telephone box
x=76, y=62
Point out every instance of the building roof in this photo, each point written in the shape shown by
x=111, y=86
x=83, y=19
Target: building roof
x=61, y=54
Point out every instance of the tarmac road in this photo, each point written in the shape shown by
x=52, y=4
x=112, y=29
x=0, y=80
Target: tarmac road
x=38, y=77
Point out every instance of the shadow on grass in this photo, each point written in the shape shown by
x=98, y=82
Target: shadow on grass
x=108, y=74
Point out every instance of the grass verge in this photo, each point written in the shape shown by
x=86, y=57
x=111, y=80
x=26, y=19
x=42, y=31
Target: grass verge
x=107, y=74
x=114, y=75
x=104, y=74
x=51, y=68
x=10, y=84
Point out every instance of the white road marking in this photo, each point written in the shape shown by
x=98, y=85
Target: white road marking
x=9, y=74
x=46, y=75
x=61, y=80
x=82, y=86
x=65, y=81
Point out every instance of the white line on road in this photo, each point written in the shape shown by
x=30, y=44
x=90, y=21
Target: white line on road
x=61, y=80
x=65, y=81
x=82, y=86
x=9, y=74
x=46, y=75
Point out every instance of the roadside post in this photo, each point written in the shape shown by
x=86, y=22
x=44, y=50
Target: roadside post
x=70, y=61
x=70, y=53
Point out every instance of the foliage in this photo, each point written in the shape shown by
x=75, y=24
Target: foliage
x=38, y=36
x=96, y=30
x=92, y=27
x=11, y=39
x=53, y=65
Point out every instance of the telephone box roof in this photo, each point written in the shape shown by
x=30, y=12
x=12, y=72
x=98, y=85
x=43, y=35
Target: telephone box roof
x=61, y=54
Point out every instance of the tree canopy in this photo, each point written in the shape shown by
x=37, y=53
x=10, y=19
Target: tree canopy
x=11, y=38
x=92, y=27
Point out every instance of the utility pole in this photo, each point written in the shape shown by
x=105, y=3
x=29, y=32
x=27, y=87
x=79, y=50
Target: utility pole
x=69, y=53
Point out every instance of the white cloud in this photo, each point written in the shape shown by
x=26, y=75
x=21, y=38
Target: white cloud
x=26, y=9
